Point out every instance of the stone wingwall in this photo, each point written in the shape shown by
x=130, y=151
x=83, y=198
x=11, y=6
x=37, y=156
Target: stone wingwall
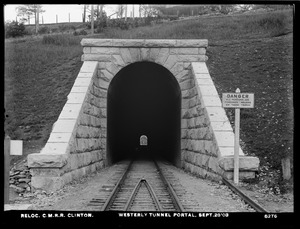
x=77, y=144
x=211, y=146
x=198, y=155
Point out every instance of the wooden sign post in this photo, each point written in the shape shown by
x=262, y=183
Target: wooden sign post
x=11, y=147
x=237, y=100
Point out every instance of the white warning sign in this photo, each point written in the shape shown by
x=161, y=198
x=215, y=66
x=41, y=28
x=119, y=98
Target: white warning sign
x=238, y=100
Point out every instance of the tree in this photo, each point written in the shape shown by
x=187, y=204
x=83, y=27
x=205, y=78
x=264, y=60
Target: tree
x=28, y=11
x=14, y=29
x=149, y=11
x=120, y=10
x=84, y=13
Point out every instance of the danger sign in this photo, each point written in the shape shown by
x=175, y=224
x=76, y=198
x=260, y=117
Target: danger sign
x=238, y=100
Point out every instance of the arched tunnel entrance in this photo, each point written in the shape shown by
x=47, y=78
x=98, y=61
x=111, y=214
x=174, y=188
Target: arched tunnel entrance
x=144, y=98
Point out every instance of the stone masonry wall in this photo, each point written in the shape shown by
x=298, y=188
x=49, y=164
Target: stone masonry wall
x=74, y=147
x=77, y=144
x=221, y=145
x=198, y=155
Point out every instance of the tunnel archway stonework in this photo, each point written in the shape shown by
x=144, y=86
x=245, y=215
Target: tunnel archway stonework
x=78, y=142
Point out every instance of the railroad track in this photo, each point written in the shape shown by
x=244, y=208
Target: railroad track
x=145, y=185
x=141, y=187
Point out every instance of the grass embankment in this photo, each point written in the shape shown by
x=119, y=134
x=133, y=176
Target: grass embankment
x=38, y=78
x=245, y=51
x=212, y=28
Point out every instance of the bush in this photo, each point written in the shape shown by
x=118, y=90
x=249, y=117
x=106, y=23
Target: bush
x=14, y=29
x=276, y=23
x=60, y=39
x=80, y=32
x=44, y=30
x=100, y=23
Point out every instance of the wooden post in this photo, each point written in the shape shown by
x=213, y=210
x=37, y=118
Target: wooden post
x=92, y=19
x=37, y=19
x=125, y=12
x=101, y=11
x=140, y=10
x=236, y=142
x=6, y=168
x=84, y=13
x=133, y=11
x=56, y=18
x=286, y=168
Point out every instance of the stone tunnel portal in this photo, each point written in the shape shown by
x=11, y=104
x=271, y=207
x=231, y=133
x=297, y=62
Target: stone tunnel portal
x=144, y=98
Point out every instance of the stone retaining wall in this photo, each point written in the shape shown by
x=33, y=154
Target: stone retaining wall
x=77, y=144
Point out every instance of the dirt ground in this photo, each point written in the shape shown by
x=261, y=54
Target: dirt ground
x=210, y=196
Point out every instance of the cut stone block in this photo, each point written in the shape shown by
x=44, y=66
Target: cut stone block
x=95, y=57
x=205, y=81
x=64, y=126
x=243, y=175
x=89, y=66
x=221, y=126
x=126, y=55
x=88, y=42
x=224, y=138
x=105, y=50
x=76, y=98
x=216, y=114
x=199, y=67
x=229, y=151
x=145, y=53
x=79, y=89
x=208, y=90
x=70, y=111
x=160, y=43
x=202, y=76
x=192, y=43
x=46, y=160
x=82, y=82
x=85, y=74
x=55, y=148
x=60, y=137
x=211, y=101
x=247, y=163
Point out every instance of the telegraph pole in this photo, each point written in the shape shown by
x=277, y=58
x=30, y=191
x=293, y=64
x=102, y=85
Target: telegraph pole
x=37, y=19
x=92, y=19
x=132, y=11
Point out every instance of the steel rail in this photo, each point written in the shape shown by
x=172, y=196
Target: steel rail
x=134, y=193
x=117, y=187
x=246, y=198
x=172, y=193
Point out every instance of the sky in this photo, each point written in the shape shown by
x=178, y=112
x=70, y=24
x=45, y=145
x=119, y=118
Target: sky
x=62, y=11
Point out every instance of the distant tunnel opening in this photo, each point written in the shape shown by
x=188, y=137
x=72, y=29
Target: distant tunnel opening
x=144, y=98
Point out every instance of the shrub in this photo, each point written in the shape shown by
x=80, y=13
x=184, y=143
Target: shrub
x=63, y=28
x=60, y=39
x=276, y=23
x=100, y=23
x=14, y=29
x=44, y=30
x=80, y=32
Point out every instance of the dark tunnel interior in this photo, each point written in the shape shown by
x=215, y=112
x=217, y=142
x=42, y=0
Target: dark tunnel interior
x=144, y=98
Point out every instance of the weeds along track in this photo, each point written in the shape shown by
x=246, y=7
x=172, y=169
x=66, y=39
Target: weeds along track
x=139, y=186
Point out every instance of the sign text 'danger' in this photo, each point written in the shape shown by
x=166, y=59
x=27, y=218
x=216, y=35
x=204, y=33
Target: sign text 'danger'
x=238, y=100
